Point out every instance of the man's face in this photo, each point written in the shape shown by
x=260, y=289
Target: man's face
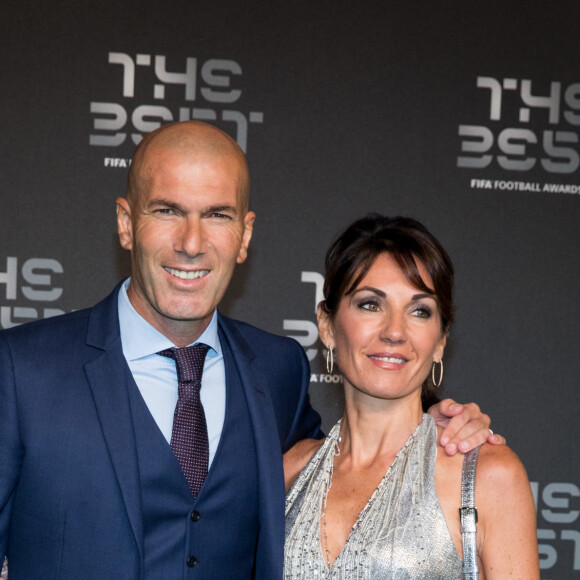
x=186, y=228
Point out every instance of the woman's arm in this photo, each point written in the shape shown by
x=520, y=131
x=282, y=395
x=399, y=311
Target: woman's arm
x=296, y=458
x=507, y=542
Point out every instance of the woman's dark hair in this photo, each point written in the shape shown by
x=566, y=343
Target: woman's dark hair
x=409, y=243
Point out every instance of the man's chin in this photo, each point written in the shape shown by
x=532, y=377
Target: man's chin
x=186, y=314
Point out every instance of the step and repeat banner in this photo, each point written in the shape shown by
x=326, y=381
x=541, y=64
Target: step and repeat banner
x=465, y=116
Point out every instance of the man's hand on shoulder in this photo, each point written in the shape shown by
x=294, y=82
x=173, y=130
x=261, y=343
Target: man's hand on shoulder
x=465, y=426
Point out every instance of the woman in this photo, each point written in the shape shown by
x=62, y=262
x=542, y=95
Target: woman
x=375, y=500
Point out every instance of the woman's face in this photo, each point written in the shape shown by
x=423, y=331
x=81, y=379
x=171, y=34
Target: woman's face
x=387, y=333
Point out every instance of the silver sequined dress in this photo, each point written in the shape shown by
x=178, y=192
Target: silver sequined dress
x=400, y=534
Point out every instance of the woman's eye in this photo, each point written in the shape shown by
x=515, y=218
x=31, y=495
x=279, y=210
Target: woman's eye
x=422, y=312
x=370, y=305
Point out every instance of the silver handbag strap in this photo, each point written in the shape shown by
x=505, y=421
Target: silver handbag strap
x=468, y=516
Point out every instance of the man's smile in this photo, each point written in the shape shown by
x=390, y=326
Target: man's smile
x=186, y=274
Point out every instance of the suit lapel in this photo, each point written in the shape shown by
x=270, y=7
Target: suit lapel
x=108, y=376
x=268, y=448
x=256, y=388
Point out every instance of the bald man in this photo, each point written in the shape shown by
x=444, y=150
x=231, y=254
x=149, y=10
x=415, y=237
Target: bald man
x=91, y=483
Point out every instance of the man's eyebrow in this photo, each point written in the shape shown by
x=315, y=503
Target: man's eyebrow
x=164, y=202
x=220, y=209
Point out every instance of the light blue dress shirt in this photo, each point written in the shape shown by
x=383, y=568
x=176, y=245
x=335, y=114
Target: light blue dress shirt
x=156, y=375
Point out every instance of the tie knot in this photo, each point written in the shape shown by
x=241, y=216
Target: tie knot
x=188, y=361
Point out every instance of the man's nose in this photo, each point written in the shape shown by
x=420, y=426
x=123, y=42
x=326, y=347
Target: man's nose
x=191, y=240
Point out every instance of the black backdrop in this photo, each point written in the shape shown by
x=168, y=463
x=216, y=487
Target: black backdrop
x=463, y=115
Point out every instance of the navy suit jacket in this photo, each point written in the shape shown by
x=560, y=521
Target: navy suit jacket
x=70, y=501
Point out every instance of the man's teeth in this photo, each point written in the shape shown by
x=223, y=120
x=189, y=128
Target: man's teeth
x=184, y=275
x=390, y=359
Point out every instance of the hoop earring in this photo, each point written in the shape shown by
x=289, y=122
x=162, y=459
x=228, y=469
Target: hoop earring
x=438, y=383
x=329, y=359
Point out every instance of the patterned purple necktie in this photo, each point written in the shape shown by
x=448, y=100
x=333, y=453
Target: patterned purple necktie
x=189, y=435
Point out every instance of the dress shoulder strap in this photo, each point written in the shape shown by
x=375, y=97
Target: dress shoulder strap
x=468, y=516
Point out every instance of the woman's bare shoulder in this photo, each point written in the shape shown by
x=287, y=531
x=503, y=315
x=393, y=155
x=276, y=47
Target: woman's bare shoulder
x=496, y=465
x=296, y=458
x=501, y=487
x=499, y=465
x=507, y=516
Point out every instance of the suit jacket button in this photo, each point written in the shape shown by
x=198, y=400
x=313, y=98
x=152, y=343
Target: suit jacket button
x=191, y=561
x=195, y=515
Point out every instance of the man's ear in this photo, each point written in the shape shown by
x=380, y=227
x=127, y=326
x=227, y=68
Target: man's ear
x=246, y=236
x=124, y=224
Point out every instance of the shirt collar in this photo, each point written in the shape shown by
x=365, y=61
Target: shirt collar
x=139, y=339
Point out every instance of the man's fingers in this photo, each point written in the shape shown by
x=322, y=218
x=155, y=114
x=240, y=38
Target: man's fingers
x=449, y=408
x=496, y=439
x=463, y=442
x=463, y=425
x=466, y=430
